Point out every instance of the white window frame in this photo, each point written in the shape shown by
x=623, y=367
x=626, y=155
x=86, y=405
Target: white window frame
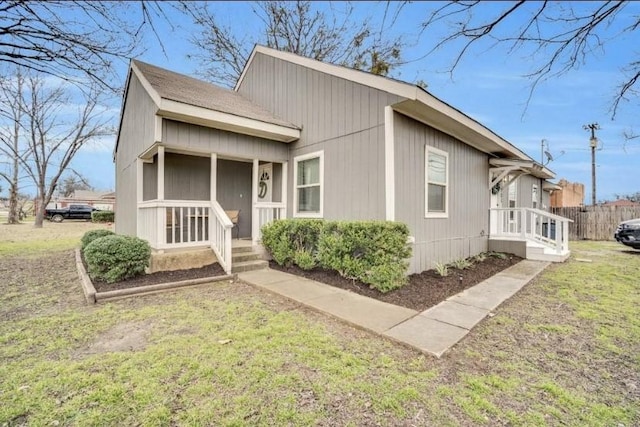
x=315, y=154
x=429, y=149
x=534, y=197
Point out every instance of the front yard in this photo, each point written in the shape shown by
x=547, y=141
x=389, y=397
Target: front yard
x=564, y=351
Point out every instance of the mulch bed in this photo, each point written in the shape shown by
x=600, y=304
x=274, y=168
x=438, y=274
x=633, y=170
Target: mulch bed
x=423, y=290
x=211, y=270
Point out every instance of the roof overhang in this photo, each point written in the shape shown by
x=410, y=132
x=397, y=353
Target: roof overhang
x=530, y=167
x=224, y=121
x=439, y=115
x=550, y=186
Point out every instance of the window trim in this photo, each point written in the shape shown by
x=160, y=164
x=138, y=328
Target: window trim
x=296, y=160
x=427, y=150
x=535, y=196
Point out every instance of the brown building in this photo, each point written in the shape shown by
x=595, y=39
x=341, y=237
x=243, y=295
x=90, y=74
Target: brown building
x=570, y=194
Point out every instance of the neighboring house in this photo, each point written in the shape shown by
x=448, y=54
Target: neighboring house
x=304, y=139
x=568, y=195
x=621, y=203
x=103, y=200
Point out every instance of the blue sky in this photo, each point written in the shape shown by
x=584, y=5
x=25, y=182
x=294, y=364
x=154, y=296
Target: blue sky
x=487, y=85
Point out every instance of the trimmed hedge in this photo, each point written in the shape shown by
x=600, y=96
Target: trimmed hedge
x=374, y=252
x=102, y=216
x=114, y=258
x=92, y=235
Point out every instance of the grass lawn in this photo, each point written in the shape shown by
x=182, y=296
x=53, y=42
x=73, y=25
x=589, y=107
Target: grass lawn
x=564, y=351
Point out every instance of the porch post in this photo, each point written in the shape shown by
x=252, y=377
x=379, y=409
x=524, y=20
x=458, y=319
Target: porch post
x=283, y=198
x=139, y=189
x=160, y=172
x=162, y=214
x=214, y=176
x=255, y=223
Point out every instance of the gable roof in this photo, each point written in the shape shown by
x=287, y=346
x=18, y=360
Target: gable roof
x=418, y=104
x=188, y=90
x=183, y=98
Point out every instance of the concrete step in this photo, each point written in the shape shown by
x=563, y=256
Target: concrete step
x=249, y=266
x=538, y=252
x=244, y=256
x=241, y=249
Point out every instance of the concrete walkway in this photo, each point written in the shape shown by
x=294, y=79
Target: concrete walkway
x=432, y=331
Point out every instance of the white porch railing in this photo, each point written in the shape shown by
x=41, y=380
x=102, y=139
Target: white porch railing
x=221, y=236
x=530, y=224
x=168, y=224
x=174, y=223
x=266, y=212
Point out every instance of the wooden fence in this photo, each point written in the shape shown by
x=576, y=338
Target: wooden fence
x=596, y=222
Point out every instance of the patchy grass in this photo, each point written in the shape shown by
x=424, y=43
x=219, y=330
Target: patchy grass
x=564, y=351
x=24, y=239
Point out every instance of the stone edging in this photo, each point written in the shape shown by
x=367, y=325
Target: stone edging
x=92, y=296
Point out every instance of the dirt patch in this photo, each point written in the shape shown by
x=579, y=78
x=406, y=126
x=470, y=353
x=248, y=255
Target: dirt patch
x=423, y=290
x=211, y=270
x=122, y=337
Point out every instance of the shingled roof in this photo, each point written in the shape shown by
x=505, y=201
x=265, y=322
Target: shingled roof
x=188, y=90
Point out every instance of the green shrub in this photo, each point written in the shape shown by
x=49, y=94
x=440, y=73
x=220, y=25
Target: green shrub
x=462, y=264
x=442, y=269
x=285, y=238
x=374, y=252
x=305, y=260
x=102, y=216
x=92, y=235
x=114, y=258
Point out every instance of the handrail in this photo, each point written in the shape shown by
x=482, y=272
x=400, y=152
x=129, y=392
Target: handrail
x=529, y=223
x=220, y=228
x=538, y=211
x=171, y=203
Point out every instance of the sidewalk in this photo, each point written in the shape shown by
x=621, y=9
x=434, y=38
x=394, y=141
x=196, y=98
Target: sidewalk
x=432, y=331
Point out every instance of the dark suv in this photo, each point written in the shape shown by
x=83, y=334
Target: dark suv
x=628, y=233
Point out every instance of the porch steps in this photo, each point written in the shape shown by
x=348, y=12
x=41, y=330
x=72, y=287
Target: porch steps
x=245, y=259
x=539, y=252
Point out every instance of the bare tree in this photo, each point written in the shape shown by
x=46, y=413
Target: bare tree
x=298, y=27
x=54, y=128
x=75, y=40
x=73, y=182
x=11, y=89
x=564, y=35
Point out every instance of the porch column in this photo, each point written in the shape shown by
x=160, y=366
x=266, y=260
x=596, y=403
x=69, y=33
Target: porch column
x=162, y=213
x=160, y=172
x=139, y=192
x=285, y=175
x=255, y=223
x=214, y=176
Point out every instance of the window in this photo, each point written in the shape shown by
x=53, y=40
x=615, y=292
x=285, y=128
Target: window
x=534, y=196
x=437, y=183
x=308, y=178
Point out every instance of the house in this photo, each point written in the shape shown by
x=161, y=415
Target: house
x=304, y=139
x=103, y=200
x=621, y=203
x=568, y=194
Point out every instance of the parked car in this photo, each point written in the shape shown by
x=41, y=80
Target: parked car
x=72, y=212
x=628, y=233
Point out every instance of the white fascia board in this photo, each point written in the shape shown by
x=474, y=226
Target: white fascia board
x=225, y=121
x=468, y=122
x=389, y=165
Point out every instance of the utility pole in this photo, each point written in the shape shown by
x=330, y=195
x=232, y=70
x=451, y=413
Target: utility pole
x=593, y=143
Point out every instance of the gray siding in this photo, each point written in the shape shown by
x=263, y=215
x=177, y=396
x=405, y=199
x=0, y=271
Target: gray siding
x=187, y=177
x=525, y=185
x=464, y=232
x=137, y=133
x=341, y=118
x=150, y=180
x=207, y=140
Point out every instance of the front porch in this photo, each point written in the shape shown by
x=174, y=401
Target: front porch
x=186, y=199
x=529, y=233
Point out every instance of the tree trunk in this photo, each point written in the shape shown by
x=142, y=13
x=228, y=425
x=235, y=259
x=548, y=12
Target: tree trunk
x=40, y=207
x=14, y=212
